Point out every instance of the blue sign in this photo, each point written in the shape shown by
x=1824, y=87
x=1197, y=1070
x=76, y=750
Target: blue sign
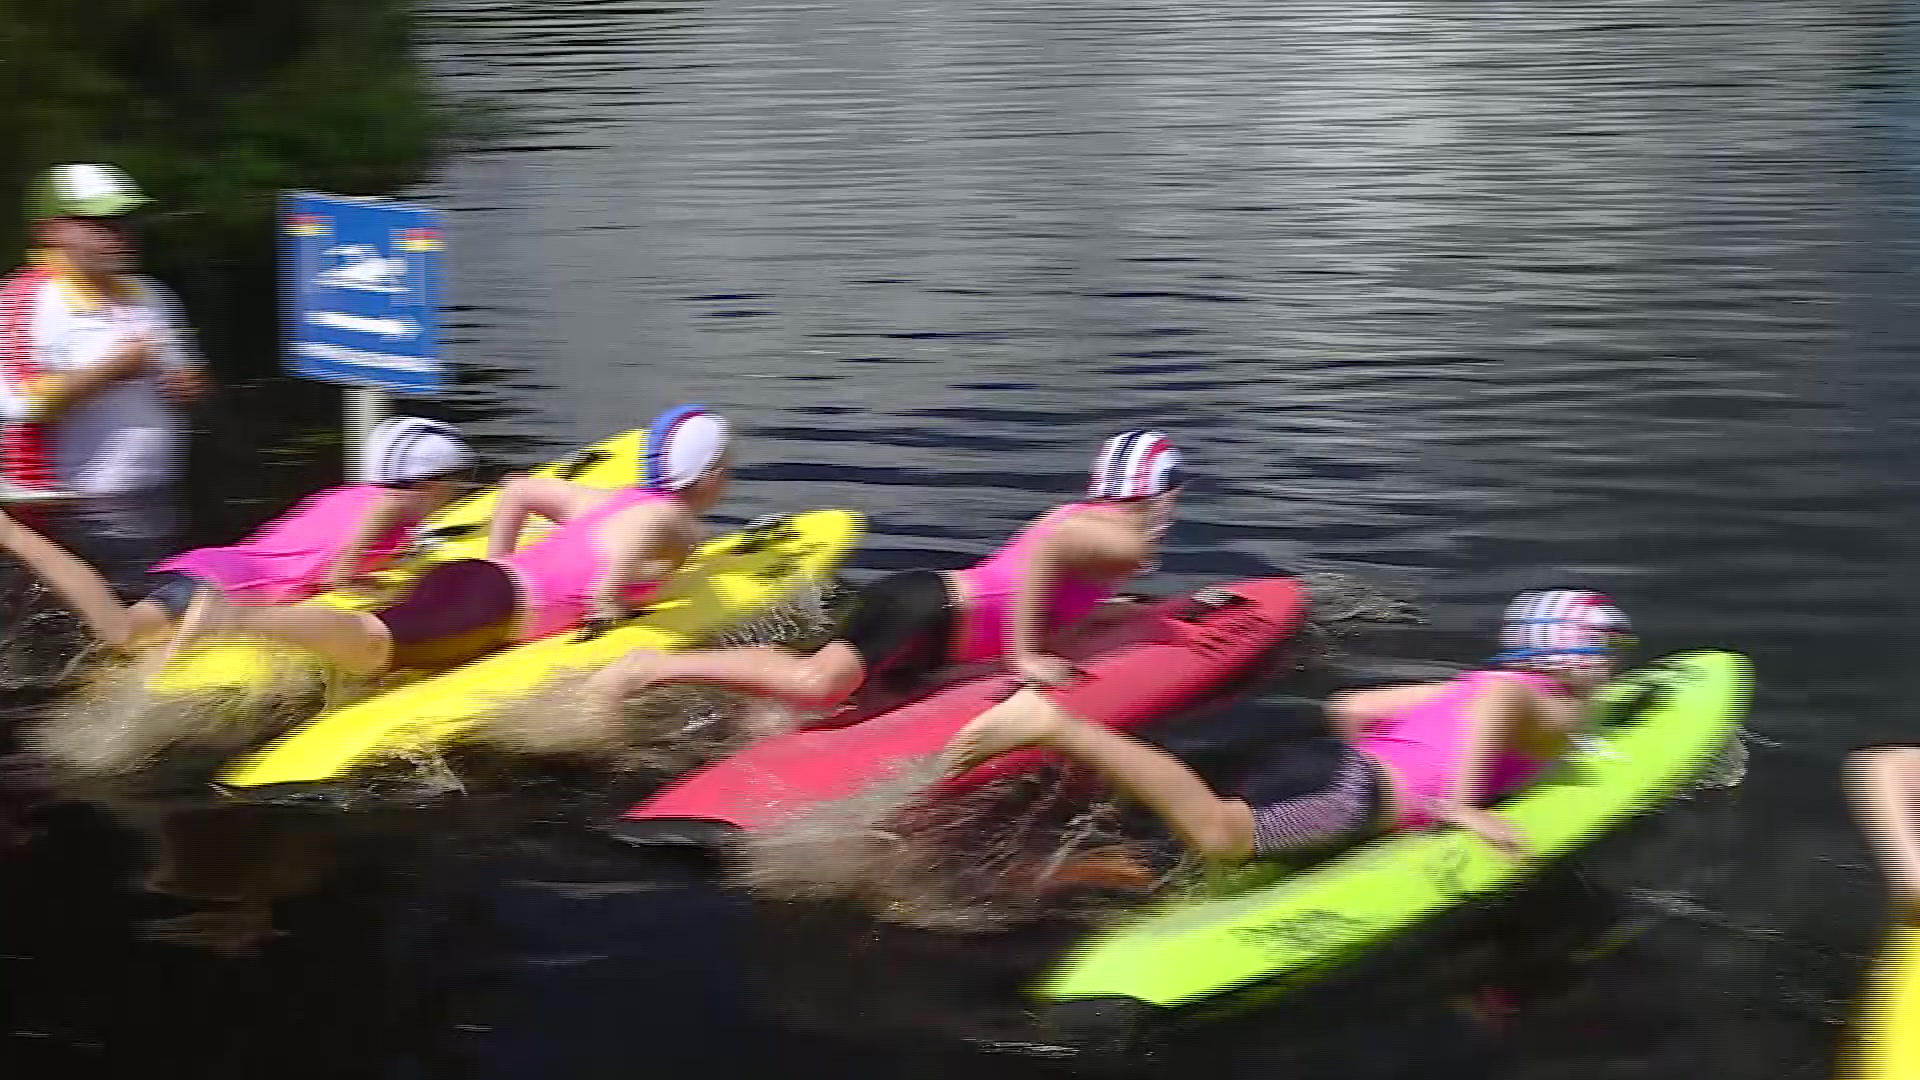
x=360, y=288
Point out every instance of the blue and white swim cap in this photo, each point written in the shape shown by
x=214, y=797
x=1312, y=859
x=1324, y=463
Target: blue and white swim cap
x=408, y=449
x=682, y=444
x=1134, y=465
x=1563, y=629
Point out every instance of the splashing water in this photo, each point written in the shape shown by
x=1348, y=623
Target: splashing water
x=110, y=724
x=43, y=644
x=114, y=724
x=668, y=728
x=1046, y=843
x=1728, y=767
x=1341, y=600
x=1344, y=606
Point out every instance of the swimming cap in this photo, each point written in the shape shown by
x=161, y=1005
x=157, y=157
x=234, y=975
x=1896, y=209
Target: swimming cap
x=405, y=449
x=682, y=444
x=1563, y=628
x=1136, y=465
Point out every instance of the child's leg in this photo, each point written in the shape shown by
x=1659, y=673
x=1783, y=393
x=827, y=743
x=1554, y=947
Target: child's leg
x=820, y=681
x=357, y=642
x=1215, y=827
x=1885, y=784
x=78, y=585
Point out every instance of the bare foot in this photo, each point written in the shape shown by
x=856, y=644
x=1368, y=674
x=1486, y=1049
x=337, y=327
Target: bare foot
x=207, y=616
x=609, y=688
x=1104, y=868
x=1022, y=720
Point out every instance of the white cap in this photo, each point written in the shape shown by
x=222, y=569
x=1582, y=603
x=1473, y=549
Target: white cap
x=405, y=449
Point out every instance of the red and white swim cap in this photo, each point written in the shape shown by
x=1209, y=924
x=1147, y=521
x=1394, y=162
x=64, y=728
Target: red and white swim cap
x=1134, y=465
x=1562, y=629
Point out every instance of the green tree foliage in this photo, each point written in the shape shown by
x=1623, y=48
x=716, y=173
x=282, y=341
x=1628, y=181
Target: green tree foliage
x=214, y=107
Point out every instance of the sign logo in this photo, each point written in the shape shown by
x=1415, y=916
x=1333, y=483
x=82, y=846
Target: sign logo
x=306, y=225
x=360, y=280
x=361, y=267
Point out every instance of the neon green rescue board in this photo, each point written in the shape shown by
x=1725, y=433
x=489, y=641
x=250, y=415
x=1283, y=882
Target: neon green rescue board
x=1655, y=730
x=725, y=581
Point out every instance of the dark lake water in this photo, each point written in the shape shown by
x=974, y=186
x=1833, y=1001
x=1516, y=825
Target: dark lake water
x=1453, y=299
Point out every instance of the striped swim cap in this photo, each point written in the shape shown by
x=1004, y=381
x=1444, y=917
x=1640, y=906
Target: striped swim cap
x=407, y=449
x=1134, y=465
x=682, y=444
x=1560, y=629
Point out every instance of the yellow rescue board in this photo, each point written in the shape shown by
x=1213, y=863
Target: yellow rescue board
x=458, y=531
x=727, y=580
x=1889, y=1047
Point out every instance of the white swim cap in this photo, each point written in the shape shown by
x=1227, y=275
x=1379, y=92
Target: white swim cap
x=406, y=449
x=1561, y=629
x=1134, y=465
x=682, y=444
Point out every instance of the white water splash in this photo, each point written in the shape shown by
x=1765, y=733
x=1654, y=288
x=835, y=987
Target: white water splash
x=1728, y=767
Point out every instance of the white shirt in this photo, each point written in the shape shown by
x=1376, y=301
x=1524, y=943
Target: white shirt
x=126, y=437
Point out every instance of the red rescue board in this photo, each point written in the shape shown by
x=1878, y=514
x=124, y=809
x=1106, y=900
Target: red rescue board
x=1138, y=663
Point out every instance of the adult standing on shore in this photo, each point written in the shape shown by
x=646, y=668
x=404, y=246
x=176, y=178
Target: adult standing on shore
x=97, y=369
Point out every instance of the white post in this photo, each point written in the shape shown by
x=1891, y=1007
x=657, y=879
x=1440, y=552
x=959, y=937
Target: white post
x=365, y=408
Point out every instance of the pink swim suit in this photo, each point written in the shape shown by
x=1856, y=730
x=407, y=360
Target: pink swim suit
x=288, y=559
x=1423, y=745
x=991, y=585
x=556, y=574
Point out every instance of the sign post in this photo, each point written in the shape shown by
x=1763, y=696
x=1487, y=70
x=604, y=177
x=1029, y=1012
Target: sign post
x=366, y=407
x=360, y=293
